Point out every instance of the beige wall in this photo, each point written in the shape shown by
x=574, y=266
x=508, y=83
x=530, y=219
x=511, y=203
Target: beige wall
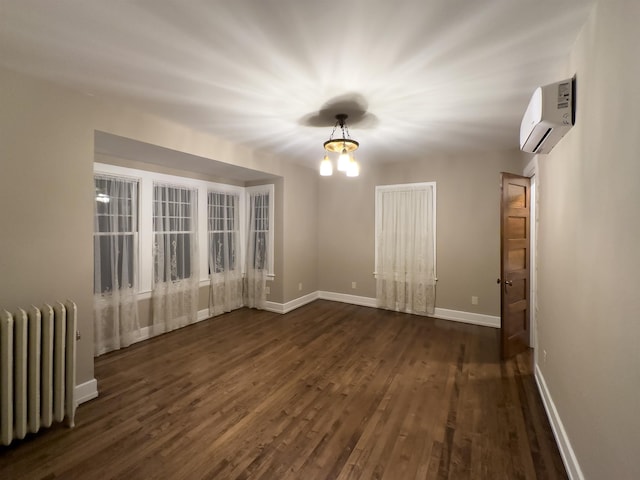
x=46, y=209
x=346, y=233
x=300, y=204
x=588, y=308
x=468, y=227
x=46, y=185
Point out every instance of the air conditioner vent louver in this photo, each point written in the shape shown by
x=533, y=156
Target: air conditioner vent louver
x=544, y=137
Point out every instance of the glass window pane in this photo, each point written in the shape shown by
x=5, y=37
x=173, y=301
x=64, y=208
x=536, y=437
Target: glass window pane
x=114, y=259
x=172, y=256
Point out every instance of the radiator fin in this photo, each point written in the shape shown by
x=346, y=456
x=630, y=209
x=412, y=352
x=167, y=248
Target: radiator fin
x=35, y=366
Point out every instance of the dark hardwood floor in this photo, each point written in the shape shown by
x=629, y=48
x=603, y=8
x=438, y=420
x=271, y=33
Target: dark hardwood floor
x=327, y=391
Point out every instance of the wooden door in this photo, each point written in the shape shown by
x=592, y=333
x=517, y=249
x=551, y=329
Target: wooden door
x=514, y=264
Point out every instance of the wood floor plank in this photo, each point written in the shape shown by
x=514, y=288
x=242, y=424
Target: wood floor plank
x=327, y=391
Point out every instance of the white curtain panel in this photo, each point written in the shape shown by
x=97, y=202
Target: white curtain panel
x=115, y=250
x=175, y=258
x=225, y=269
x=257, y=251
x=405, y=270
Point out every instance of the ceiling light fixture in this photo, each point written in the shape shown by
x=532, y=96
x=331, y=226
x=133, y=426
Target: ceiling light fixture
x=344, y=146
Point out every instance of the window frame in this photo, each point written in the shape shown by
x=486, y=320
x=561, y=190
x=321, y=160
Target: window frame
x=193, y=204
x=269, y=189
x=135, y=221
x=240, y=256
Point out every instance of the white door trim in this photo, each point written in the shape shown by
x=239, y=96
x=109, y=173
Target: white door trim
x=531, y=171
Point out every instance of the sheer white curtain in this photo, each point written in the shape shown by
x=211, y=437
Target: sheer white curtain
x=225, y=272
x=257, y=261
x=115, y=261
x=175, y=258
x=405, y=256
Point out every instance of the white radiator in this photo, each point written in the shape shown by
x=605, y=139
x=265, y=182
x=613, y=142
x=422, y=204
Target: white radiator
x=37, y=369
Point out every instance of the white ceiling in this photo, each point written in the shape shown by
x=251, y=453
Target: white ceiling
x=439, y=76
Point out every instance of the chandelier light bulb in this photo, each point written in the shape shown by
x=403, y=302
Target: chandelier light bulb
x=343, y=160
x=353, y=169
x=326, y=168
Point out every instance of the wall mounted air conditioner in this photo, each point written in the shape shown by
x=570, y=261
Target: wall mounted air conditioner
x=550, y=114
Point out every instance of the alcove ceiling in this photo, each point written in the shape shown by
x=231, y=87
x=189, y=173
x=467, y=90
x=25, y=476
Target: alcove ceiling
x=129, y=149
x=433, y=76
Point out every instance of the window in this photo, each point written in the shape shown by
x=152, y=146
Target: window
x=178, y=222
x=406, y=247
x=260, y=229
x=224, y=231
x=115, y=233
x=174, y=229
x=260, y=245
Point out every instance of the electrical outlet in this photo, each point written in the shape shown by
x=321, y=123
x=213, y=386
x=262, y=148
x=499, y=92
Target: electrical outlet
x=267, y=290
x=474, y=300
x=353, y=285
x=300, y=287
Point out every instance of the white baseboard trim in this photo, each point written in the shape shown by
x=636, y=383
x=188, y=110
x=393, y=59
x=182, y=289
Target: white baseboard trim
x=274, y=307
x=292, y=305
x=86, y=391
x=203, y=315
x=467, y=317
x=441, y=313
x=566, y=450
x=346, y=298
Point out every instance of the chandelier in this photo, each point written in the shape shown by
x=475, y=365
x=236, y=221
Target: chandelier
x=344, y=146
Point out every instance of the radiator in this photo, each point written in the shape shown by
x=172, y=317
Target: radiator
x=37, y=369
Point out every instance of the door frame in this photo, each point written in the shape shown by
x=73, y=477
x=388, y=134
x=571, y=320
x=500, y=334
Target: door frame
x=531, y=171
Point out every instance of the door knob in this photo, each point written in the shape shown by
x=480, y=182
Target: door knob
x=508, y=282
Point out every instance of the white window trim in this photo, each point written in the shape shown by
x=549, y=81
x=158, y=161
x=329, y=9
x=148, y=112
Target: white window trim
x=404, y=187
x=146, y=179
